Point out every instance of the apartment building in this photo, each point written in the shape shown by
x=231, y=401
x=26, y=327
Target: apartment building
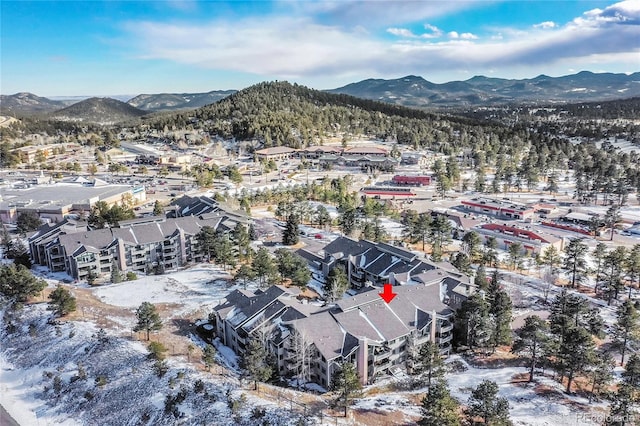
x=140, y=245
x=377, y=337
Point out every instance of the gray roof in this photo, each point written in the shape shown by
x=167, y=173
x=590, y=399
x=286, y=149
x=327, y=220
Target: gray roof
x=57, y=196
x=324, y=332
x=347, y=246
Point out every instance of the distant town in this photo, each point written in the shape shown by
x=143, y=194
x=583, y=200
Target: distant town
x=234, y=270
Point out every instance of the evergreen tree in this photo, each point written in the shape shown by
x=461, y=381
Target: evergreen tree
x=347, y=221
x=264, y=266
x=209, y=356
x=600, y=373
x=473, y=322
x=530, y=341
x=551, y=258
x=62, y=301
x=621, y=411
x=206, y=239
x=158, y=210
x=499, y=313
x=438, y=407
x=253, y=235
x=480, y=279
x=631, y=373
x=116, y=275
x=291, y=234
x=148, y=318
x=346, y=384
x=27, y=221
x=599, y=254
x=322, y=217
x=462, y=262
x=429, y=363
x=612, y=218
x=485, y=404
x=292, y=266
x=17, y=283
x=576, y=353
x=255, y=362
x=471, y=243
x=574, y=260
x=244, y=273
x=439, y=236
x=515, y=252
x=613, y=273
x=336, y=284
x=626, y=330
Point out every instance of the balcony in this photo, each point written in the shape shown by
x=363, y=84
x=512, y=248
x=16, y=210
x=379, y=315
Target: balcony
x=446, y=338
x=381, y=366
x=444, y=349
x=421, y=340
x=445, y=326
x=381, y=355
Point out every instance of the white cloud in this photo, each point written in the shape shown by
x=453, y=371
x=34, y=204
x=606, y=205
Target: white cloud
x=435, y=32
x=545, y=25
x=401, y=32
x=302, y=48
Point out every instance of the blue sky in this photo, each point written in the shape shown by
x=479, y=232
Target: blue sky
x=131, y=47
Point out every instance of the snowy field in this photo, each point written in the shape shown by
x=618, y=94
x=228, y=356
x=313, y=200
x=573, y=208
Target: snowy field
x=25, y=373
x=200, y=286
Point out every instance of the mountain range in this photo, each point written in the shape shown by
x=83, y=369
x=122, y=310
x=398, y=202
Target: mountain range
x=413, y=91
x=175, y=101
x=100, y=111
x=417, y=92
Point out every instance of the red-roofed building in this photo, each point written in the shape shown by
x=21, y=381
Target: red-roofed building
x=505, y=235
x=499, y=208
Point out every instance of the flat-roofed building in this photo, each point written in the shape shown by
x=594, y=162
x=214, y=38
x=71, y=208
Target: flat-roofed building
x=276, y=153
x=499, y=208
x=52, y=203
x=532, y=242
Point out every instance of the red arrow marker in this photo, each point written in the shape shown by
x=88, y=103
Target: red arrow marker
x=387, y=293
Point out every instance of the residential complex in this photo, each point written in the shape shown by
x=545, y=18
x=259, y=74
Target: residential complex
x=378, y=337
x=143, y=245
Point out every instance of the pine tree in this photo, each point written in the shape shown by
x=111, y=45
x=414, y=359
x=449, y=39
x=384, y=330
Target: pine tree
x=209, y=356
x=500, y=307
x=116, y=275
x=530, y=341
x=485, y=404
x=627, y=327
x=291, y=234
x=574, y=260
x=621, y=409
x=245, y=273
x=255, y=362
x=148, y=318
x=264, y=266
x=336, y=284
x=473, y=321
x=17, y=283
x=576, y=353
x=158, y=210
x=438, y=407
x=62, y=301
x=346, y=384
x=429, y=363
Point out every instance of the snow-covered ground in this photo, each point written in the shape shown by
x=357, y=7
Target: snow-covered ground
x=193, y=288
x=25, y=372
